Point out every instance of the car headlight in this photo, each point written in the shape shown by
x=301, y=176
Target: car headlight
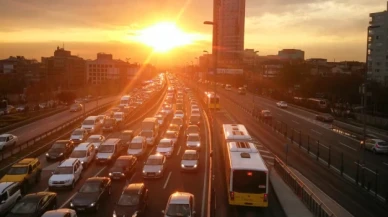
x=182, y=165
x=159, y=171
x=60, y=154
x=71, y=204
x=82, y=162
x=198, y=144
x=195, y=165
x=69, y=180
x=144, y=172
x=47, y=154
x=114, y=214
x=110, y=174
x=109, y=157
x=92, y=204
x=122, y=174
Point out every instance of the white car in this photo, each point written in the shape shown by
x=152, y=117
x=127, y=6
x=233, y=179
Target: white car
x=160, y=119
x=154, y=166
x=10, y=194
x=119, y=116
x=179, y=114
x=66, y=175
x=7, y=140
x=137, y=146
x=85, y=152
x=78, y=135
x=149, y=135
x=167, y=108
x=180, y=204
x=195, y=112
x=376, y=145
x=177, y=121
x=193, y=141
x=60, y=213
x=96, y=139
x=173, y=135
x=281, y=104
x=165, y=147
x=190, y=160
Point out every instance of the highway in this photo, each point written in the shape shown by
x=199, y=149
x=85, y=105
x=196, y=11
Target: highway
x=352, y=198
x=29, y=131
x=159, y=190
x=297, y=121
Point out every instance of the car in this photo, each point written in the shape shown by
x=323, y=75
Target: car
x=375, y=145
x=173, y=135
x=192, y=129
x=60, y=213
x=124, y=167
x=94, y=191
x=108, y=151
x=26, y=172
x=7, y=140
x=96, y=139
x=133, y=201
x=76, y=107
x=177, y=121
x=281, y=104
x=190, y=160
x=85, y=152
x=179, y=114
x=167, y=108
x=154, y=166
x=180, y=204
x=137, y=147
x=92, y=124
x=66, y=175
x=175, y=127
x=34, y=205
x=195, y=112
x=241, y=91
x=160, y=119
x=61, y=149
x=324, y=118
x=149, y=135
x=126, y=137
x=194, y=120
x=180, y=106
x=265, y=114
x=79, y=135
x=10, y=193
x=165, y=147
x=110, y=125
x=193, y=141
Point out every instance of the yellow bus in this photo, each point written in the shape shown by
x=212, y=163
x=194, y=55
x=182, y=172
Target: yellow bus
x=247, y=178
x=212, y=100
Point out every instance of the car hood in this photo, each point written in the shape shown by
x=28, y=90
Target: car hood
x=2, y=143
x=12, y=178
x=23, y=215
x=126, y=211
x=193, y=143
x=61, y=177
x=85, y=199
x=76, y=137
x=87, y=126
x=152, y=168
x=55, y=152
x=159, y=149
x=133, y=151
x=116, y=169
x=189, y=162
x=104, y=155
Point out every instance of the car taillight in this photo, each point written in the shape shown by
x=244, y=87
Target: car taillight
x=265, y=197
x=231, y=195
x=377, y=145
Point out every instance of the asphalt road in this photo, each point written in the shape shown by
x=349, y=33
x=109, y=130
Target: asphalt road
x=159, y=190
x=357, y=202
x=38, y=127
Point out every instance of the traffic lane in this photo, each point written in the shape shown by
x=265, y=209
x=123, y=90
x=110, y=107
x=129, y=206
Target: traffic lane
x=38, y=127
x=358, y=202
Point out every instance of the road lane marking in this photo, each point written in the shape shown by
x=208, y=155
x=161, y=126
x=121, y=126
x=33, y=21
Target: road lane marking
x=168, y=178
x=68, y=200
x=179, y=150
x=207, y=169
x=385, y=163
x=296, y=122
x=347, y=146
x=265, y=151
x=316, y=131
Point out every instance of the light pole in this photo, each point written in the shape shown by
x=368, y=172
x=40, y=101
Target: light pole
x=215, y=51
x=207, y=69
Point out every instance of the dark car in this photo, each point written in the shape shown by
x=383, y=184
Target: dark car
x=123, y=167
x=110, y=124
x=34, y=205
x=133, y=201
x=126, y=137
x=61, y=149
x=324, y=118
x=265, y=114
x=93, y=192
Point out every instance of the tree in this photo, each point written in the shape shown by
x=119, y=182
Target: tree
x=66, y=97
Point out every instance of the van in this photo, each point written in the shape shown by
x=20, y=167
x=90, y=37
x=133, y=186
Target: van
x=119, y=116
x=85, y=152
x=92, y=124
x=108, y=150
x=150, y=124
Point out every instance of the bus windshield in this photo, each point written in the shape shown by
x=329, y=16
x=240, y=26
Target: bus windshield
x=247, y=181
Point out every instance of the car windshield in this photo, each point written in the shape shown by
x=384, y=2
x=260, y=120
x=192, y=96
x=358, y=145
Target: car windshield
x=135, y=145
x=94, y=139
x=106, y=149
x=173, y=128
x=170, y=135
x=121, y=163
x=109, y=121
x=88, y=122
x=78, y=154
x=153, y=161
x=192, y=129
x=195, y=112
x=179, y=113
x=3, y=139
x=126, y=136
x=146, y=134
x=189, y=157
x=164, y=144
x=176, y=121
x=128, y=200
x=193, y=138
x=178, y=210
x=63, y=170
x=58, y=146
x=194, y=118
x=24, y=207
x=90, y=187
x=118, y=115
x=77, y=132
x=17, y=170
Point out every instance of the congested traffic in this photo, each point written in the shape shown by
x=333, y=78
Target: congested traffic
x=143, y=157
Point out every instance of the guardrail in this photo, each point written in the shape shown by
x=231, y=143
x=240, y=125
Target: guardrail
x=316, y=206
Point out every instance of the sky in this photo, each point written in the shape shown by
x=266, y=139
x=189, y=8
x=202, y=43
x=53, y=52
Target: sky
x=332, y=29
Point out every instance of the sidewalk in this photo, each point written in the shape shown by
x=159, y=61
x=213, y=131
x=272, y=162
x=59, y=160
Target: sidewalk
x=292, y=205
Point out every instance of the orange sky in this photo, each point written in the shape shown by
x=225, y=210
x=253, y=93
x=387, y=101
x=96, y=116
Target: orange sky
x=330, y=29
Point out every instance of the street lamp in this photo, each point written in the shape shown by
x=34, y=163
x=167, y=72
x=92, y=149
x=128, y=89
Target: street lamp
x=215, y=52
x=207, y=69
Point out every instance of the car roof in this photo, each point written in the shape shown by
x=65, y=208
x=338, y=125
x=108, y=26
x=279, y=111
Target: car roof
x=193, y=126
x=37, y=195
x=5, y=185
x=57, y=212
x=180, y=198
x=125, y=157
x=68, y=162
x=95, y=136
x=189, y=151
x=134, y=187
x=193, y=134
x=111, y=141
x=165, y=140
x=6, y=134
x=155, y=156
x=137, y=139
x=25, y=162
x=95, y=179
x=127, y=131
x=83, y=146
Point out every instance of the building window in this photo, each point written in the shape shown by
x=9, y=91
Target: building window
x=377, y=63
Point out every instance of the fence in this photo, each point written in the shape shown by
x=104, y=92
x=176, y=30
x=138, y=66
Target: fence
x=317, y=207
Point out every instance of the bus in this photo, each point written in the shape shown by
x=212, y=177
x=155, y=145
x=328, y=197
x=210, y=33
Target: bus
x=212, y=101
x=125, y=100
x=247, y=176
x=317, y=103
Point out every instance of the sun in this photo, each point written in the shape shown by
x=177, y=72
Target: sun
x=163, y=37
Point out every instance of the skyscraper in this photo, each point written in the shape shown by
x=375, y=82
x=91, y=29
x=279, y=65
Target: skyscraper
x=229, y=17
x=377, y=54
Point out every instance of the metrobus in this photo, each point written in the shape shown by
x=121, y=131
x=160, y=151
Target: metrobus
x=247, y=177
x=212, y=101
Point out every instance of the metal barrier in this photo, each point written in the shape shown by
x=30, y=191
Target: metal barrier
x=317, y=207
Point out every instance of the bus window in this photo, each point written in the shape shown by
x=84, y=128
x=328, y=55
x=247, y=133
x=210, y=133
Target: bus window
x=245, y=181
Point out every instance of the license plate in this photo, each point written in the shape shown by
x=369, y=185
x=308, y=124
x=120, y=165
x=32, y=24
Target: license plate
x=116, y=177
x=81, y=209
x=151, y=174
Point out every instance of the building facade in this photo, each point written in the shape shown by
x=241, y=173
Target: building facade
x=64, y=70
x=377, y=44
x=229, y=19
x=30, y=69
x=291, y=54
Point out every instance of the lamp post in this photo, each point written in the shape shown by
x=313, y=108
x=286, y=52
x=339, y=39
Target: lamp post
x=207, y=69
x=215, y=52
